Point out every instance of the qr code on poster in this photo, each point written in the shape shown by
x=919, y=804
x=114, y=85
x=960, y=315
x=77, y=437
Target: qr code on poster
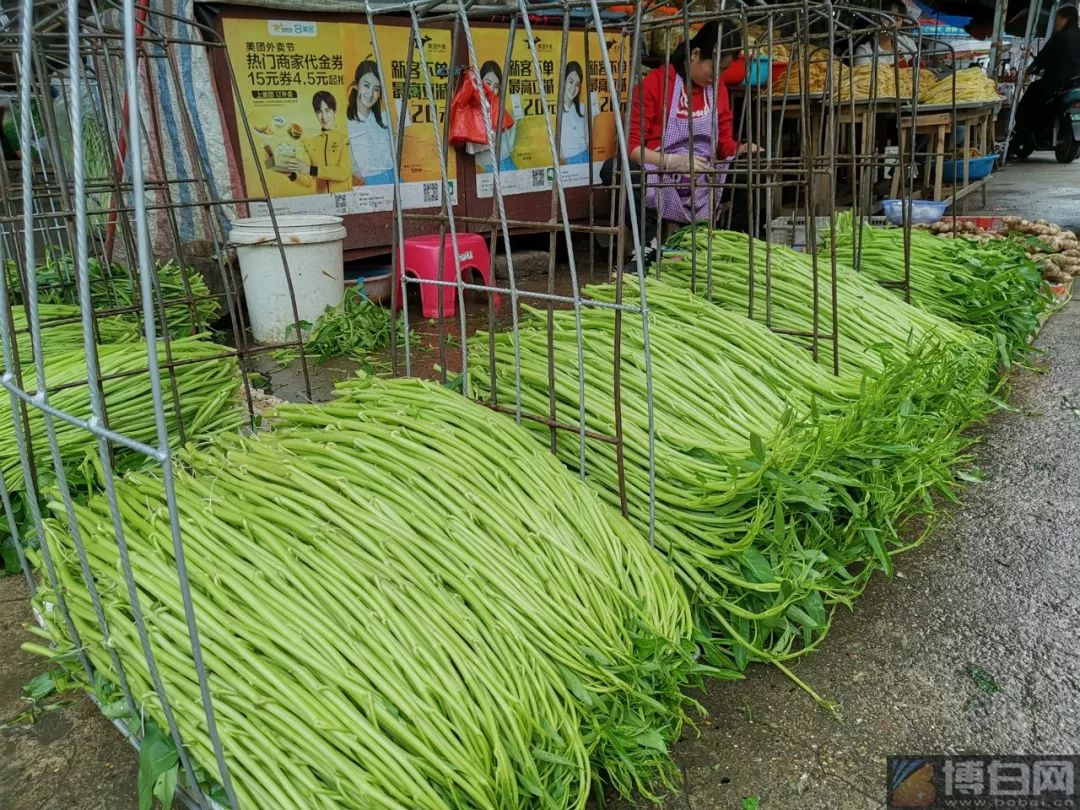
x=341, y=204
x=539, y=178
x=431, y=193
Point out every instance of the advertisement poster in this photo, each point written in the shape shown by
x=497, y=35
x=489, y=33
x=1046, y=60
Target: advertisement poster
x=421, y=179
x=585, y=93
x=312, y=93
x=525, y=155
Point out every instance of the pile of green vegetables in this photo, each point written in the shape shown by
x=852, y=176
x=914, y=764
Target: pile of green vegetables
x=874, y=329
x=188, y=306
x=354, y=328
x=993, y=288
x=399, y=630
x=206, y=400
x=206, y=393
x=395, y=630
x=779, y=487
x=62, y=331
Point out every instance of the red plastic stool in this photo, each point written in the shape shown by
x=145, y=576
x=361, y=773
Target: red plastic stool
x=422, y=262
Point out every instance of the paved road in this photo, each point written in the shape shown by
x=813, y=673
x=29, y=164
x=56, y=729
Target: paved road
x=1037, y=189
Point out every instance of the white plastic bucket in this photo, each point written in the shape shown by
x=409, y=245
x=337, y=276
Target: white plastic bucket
x=312, y=248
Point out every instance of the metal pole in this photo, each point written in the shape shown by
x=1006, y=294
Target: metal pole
x=997, y=42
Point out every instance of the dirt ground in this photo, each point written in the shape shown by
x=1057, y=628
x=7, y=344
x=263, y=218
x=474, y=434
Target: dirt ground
x=69, y=759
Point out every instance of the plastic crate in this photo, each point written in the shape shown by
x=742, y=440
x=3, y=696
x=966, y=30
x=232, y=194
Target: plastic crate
x=791, y=231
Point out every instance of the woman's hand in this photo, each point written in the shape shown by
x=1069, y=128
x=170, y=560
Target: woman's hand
x=748, y=148
x=685, y=164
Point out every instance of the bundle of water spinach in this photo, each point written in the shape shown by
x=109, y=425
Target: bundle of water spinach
x=993, y=288
x=456, y=621
x=779, y=487
x=792, y=292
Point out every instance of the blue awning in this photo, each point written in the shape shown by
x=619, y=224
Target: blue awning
x=948, y=20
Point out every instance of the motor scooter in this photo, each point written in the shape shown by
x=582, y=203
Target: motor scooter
x=1058, y=131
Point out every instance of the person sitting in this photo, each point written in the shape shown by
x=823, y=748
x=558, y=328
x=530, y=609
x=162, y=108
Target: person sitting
x=1059, y=62
x=886, y=45
x=672, y=134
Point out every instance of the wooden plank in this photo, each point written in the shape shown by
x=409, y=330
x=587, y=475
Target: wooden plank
x=970, y=188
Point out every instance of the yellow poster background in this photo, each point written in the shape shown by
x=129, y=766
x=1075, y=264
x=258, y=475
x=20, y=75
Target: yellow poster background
x=595, y=83
x=529, y=164
x=279, y=66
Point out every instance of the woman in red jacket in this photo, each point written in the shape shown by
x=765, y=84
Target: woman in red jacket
x=672, y=117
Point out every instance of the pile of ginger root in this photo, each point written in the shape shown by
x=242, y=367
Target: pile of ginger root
x=1054, y=249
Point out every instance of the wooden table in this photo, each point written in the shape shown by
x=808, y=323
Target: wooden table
x=940, y=124
x=815, y=145
x=861, y=115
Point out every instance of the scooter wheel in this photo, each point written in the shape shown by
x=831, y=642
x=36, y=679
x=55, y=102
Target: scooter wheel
x=1022, y=150
x=1067, y=151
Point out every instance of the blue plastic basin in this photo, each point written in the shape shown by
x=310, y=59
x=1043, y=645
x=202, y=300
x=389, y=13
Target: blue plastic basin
x=759, y=71
x=978, y=168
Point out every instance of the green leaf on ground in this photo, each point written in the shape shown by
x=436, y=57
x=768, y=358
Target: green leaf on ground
x=983, y=679
x=157, y=758
x=40, y=686
x=972, y=476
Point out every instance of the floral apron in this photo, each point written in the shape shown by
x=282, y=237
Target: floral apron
x=676, y=203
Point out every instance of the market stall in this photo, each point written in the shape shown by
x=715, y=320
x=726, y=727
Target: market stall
x=959, y=156
x=492, y=580
x=931, y=131
x=877, y=127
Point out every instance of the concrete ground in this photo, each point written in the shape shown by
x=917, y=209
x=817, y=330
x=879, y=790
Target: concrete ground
x=973, y=646
x=1038, y=188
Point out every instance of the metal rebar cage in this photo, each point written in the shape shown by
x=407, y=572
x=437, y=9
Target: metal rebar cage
x=116, y=274
x=114, y=239
x=117, y=268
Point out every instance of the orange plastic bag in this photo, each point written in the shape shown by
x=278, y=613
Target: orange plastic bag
x=467, y=113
